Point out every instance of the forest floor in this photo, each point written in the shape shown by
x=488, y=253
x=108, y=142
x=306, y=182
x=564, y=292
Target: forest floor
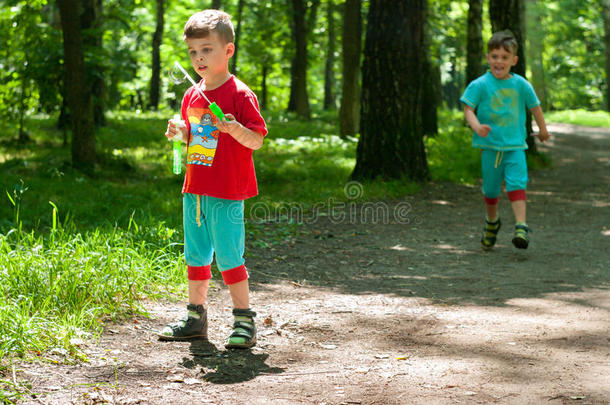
x=401, y=306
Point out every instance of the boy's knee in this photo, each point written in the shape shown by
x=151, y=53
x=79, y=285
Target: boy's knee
x=517, y=195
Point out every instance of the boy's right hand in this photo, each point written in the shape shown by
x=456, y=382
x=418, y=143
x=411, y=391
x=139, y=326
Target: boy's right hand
x=483, y=130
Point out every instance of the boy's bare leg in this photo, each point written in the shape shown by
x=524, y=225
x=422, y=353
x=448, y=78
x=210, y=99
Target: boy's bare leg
x=492, y=212
x=198, y=292
x=519, y=210
x=240, y=294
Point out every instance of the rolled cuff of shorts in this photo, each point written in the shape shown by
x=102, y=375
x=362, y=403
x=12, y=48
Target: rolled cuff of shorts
x=199, y=272
x=492, y=201
x=517, y=195
x=235, y=275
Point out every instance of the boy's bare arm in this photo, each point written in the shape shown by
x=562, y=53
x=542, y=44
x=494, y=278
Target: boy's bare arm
x=481, y=129
x=245, y=136
x=543, y=133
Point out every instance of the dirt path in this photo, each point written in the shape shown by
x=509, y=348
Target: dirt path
x=411, y=311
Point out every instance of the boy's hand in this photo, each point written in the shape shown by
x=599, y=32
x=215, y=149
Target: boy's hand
x=229, y=125
x=173, y=131
x=483, y=130
x=542, y=135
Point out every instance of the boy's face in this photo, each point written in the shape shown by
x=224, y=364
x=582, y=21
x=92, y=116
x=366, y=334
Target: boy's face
x=500, y=61
x=209, y=56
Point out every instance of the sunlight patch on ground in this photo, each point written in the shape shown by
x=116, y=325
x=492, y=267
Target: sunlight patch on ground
x=400, y=247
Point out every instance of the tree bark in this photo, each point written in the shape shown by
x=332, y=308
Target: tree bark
x=606, y=18
x=329, y=72
x=155, y=78
x=240, y=9
x=92, y=42
x=349, y=111
x=301, y=25
x=78, y=91
x=510, y=14
x=431, y=78
x=391, y=134
x=216, y=4
x=474, y=43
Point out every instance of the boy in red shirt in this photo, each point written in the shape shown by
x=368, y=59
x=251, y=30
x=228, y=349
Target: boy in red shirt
x=219, y=177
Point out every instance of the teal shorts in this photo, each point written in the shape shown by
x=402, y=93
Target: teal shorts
x=214, y=226
x=510, y=166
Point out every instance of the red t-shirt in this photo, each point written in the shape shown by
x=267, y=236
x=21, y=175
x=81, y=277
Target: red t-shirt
x=217, y=165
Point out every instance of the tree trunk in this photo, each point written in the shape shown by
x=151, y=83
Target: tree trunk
x=216, y=4
x=535, y=33
x=349, y=112
x=431, y=78
x=301, y=25
x=606, y=18
x=78, y=91
x=474, y=41
x=92, y=42
x=240, y=10
x=155, y=78
x=329, y=73
x=264, y=73
x=510, y=14
x=391, y=135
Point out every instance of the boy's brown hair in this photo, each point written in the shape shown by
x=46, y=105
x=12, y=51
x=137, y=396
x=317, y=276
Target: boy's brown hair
x=202, y=23
x=503, y=39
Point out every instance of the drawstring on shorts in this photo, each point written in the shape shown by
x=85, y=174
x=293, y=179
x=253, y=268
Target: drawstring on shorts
x=198, y=210
x=499, y=157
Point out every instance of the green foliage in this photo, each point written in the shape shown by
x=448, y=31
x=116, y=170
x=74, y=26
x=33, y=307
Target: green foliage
x=580, y=117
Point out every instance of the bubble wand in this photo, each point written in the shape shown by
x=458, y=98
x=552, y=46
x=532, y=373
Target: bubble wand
x=213, y=106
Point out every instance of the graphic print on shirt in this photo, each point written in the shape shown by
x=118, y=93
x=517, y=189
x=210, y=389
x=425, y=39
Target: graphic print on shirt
x=504, y=107
x=204, y=137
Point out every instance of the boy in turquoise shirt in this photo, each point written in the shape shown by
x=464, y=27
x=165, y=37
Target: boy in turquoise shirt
x=495, y=109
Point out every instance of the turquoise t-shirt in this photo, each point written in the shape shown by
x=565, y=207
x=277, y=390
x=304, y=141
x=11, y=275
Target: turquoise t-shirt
x=502, y=105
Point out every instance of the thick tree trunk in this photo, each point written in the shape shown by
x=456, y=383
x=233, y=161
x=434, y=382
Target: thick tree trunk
x=474, y=41
x=78, y=91
x=92, y=43
x=535, y=33
x=349, y=112
x=240, y=10
x=606, y=17
x=329, y=73
x=301, y=25
x=216, y=4
x=431, y=77
x=391, y=134
x=510, y=14
x=155, y=78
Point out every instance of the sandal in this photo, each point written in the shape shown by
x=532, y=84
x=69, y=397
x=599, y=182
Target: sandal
x=244, y=330
x=194, y=326
x=521, y=240
x=488, y=240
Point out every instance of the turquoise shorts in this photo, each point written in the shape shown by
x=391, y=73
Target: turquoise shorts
x=510, y=166
x=214, y=226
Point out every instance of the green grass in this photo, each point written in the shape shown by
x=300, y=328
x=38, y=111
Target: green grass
x=580, y=117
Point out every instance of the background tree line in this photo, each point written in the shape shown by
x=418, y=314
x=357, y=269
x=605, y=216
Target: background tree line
x=385, y=66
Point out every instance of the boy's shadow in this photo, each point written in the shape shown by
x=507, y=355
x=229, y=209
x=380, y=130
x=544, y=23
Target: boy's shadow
x=226, y=367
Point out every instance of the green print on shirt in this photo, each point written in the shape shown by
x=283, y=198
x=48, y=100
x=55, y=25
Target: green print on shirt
x=504, y=107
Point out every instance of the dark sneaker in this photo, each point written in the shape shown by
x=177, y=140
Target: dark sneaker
x=194, y=326
x=244, y=330
x=520, y=239
x=490, y=231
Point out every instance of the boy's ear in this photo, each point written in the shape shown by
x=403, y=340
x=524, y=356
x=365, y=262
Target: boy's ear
x=515, y=60
x=230, y=50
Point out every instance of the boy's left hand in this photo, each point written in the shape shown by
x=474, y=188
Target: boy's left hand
x=229, y=125
x=542, y=135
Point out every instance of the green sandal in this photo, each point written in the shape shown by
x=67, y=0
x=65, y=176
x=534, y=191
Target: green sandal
x=194, y=326
x=244, y=330
x=521, y=240
x=490, y=231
